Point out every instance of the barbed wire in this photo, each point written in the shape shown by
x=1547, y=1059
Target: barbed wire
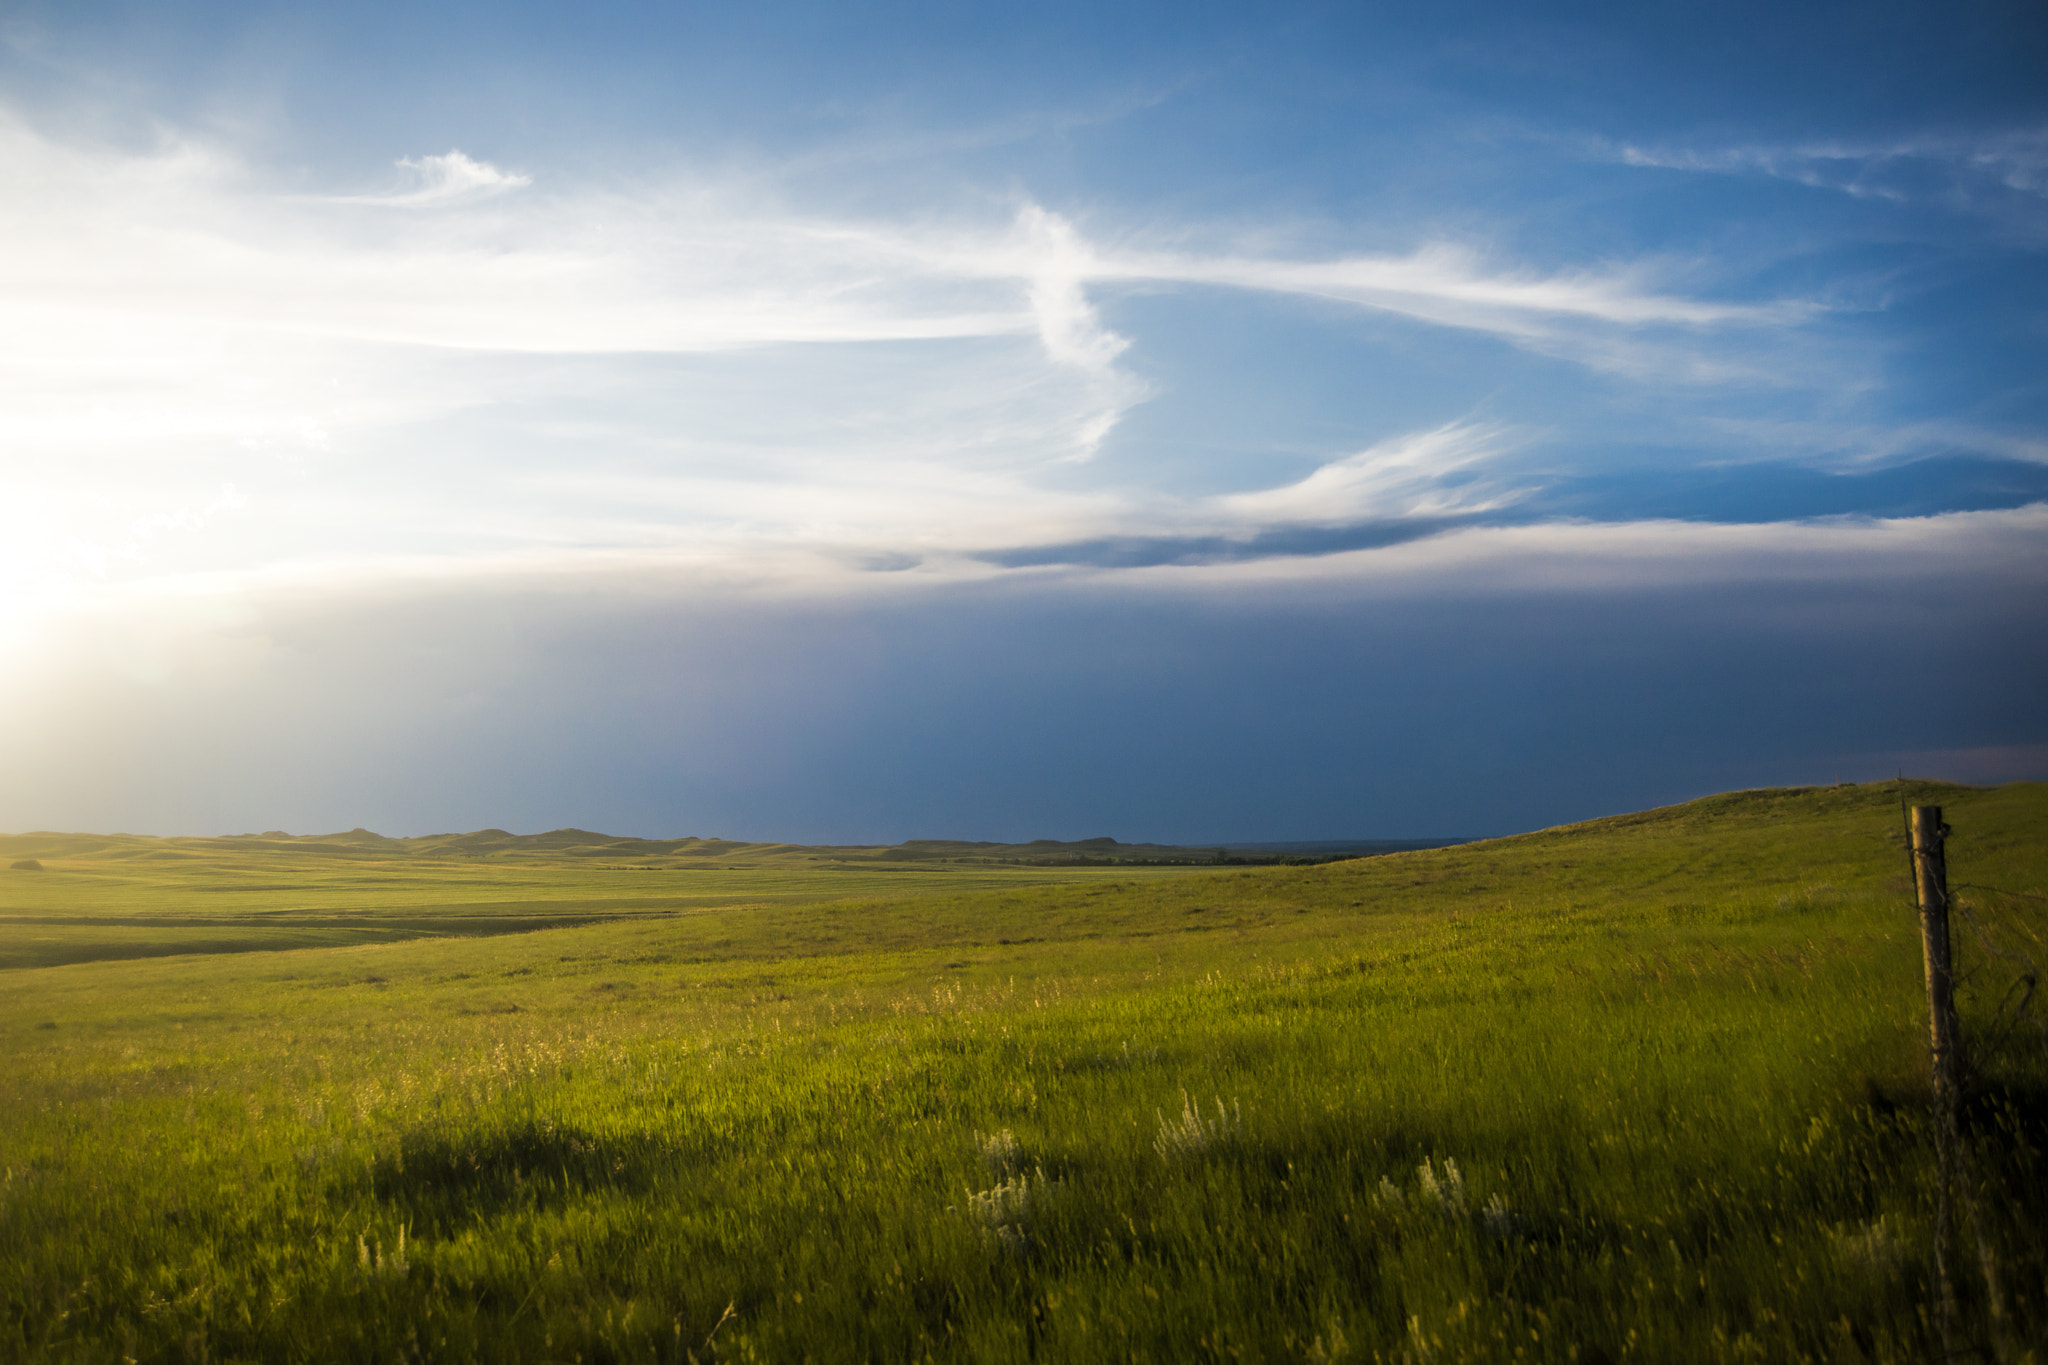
x=1999, y=891
x=2008, y=1015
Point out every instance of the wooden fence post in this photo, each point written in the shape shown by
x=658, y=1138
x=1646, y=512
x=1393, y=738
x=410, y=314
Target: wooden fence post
x=1930, y=883
x=1930, y=875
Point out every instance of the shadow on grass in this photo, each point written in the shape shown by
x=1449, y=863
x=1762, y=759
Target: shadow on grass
x=456, y=1178
x=250, y=934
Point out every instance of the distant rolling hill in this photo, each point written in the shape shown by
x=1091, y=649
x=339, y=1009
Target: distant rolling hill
x=363, y=845
x=68, y=898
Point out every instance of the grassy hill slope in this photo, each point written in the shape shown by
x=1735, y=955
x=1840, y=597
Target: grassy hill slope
x=1647, y=1087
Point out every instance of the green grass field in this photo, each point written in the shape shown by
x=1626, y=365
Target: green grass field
x=1648, y=1088
x=94, y=897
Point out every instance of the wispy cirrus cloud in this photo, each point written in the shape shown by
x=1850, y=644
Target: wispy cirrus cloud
x=1435, y=473
x=1967, y=173
x=1851, y=446
x=687, y=361
x=679, y=267
x=1447, y=284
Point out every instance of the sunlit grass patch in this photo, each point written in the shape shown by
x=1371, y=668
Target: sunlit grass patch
x=1591, y=1092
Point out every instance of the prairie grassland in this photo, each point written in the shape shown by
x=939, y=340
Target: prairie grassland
x=1646, y=1088
x=115, y=896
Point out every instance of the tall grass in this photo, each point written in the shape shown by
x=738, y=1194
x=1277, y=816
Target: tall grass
x=1645, y=1089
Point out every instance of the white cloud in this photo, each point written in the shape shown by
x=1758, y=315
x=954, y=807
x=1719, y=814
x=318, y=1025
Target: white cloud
x=1060, y=264
x=682, y=367
x=2002, y=550
x=689, y=267
x=1821, y=167
x=1961, y=172
x=2020, y=161
x=1413, y=475
x=447, y=177
x=1447, y=284
x=1851, y=446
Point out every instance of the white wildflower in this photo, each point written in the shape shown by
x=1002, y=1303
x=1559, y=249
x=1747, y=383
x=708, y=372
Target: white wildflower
x=1005, y=1211
x=1193, y=1135
x=1002, y=1154
x=1448, y=1190
x=372, y=1259
x=1444, y=1190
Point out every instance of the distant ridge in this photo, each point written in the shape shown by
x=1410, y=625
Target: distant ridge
x=1365, y=846
x=1107, y=848
x=688, y=851
x=366, y=845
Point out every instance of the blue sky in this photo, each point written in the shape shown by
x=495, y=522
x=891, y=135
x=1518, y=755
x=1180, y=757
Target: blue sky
x=870, y=422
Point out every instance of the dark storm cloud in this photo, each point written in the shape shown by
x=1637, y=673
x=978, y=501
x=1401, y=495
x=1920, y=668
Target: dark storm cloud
x=1457, y=702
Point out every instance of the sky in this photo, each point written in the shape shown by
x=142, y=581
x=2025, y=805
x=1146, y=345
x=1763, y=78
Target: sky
x=860, y=422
